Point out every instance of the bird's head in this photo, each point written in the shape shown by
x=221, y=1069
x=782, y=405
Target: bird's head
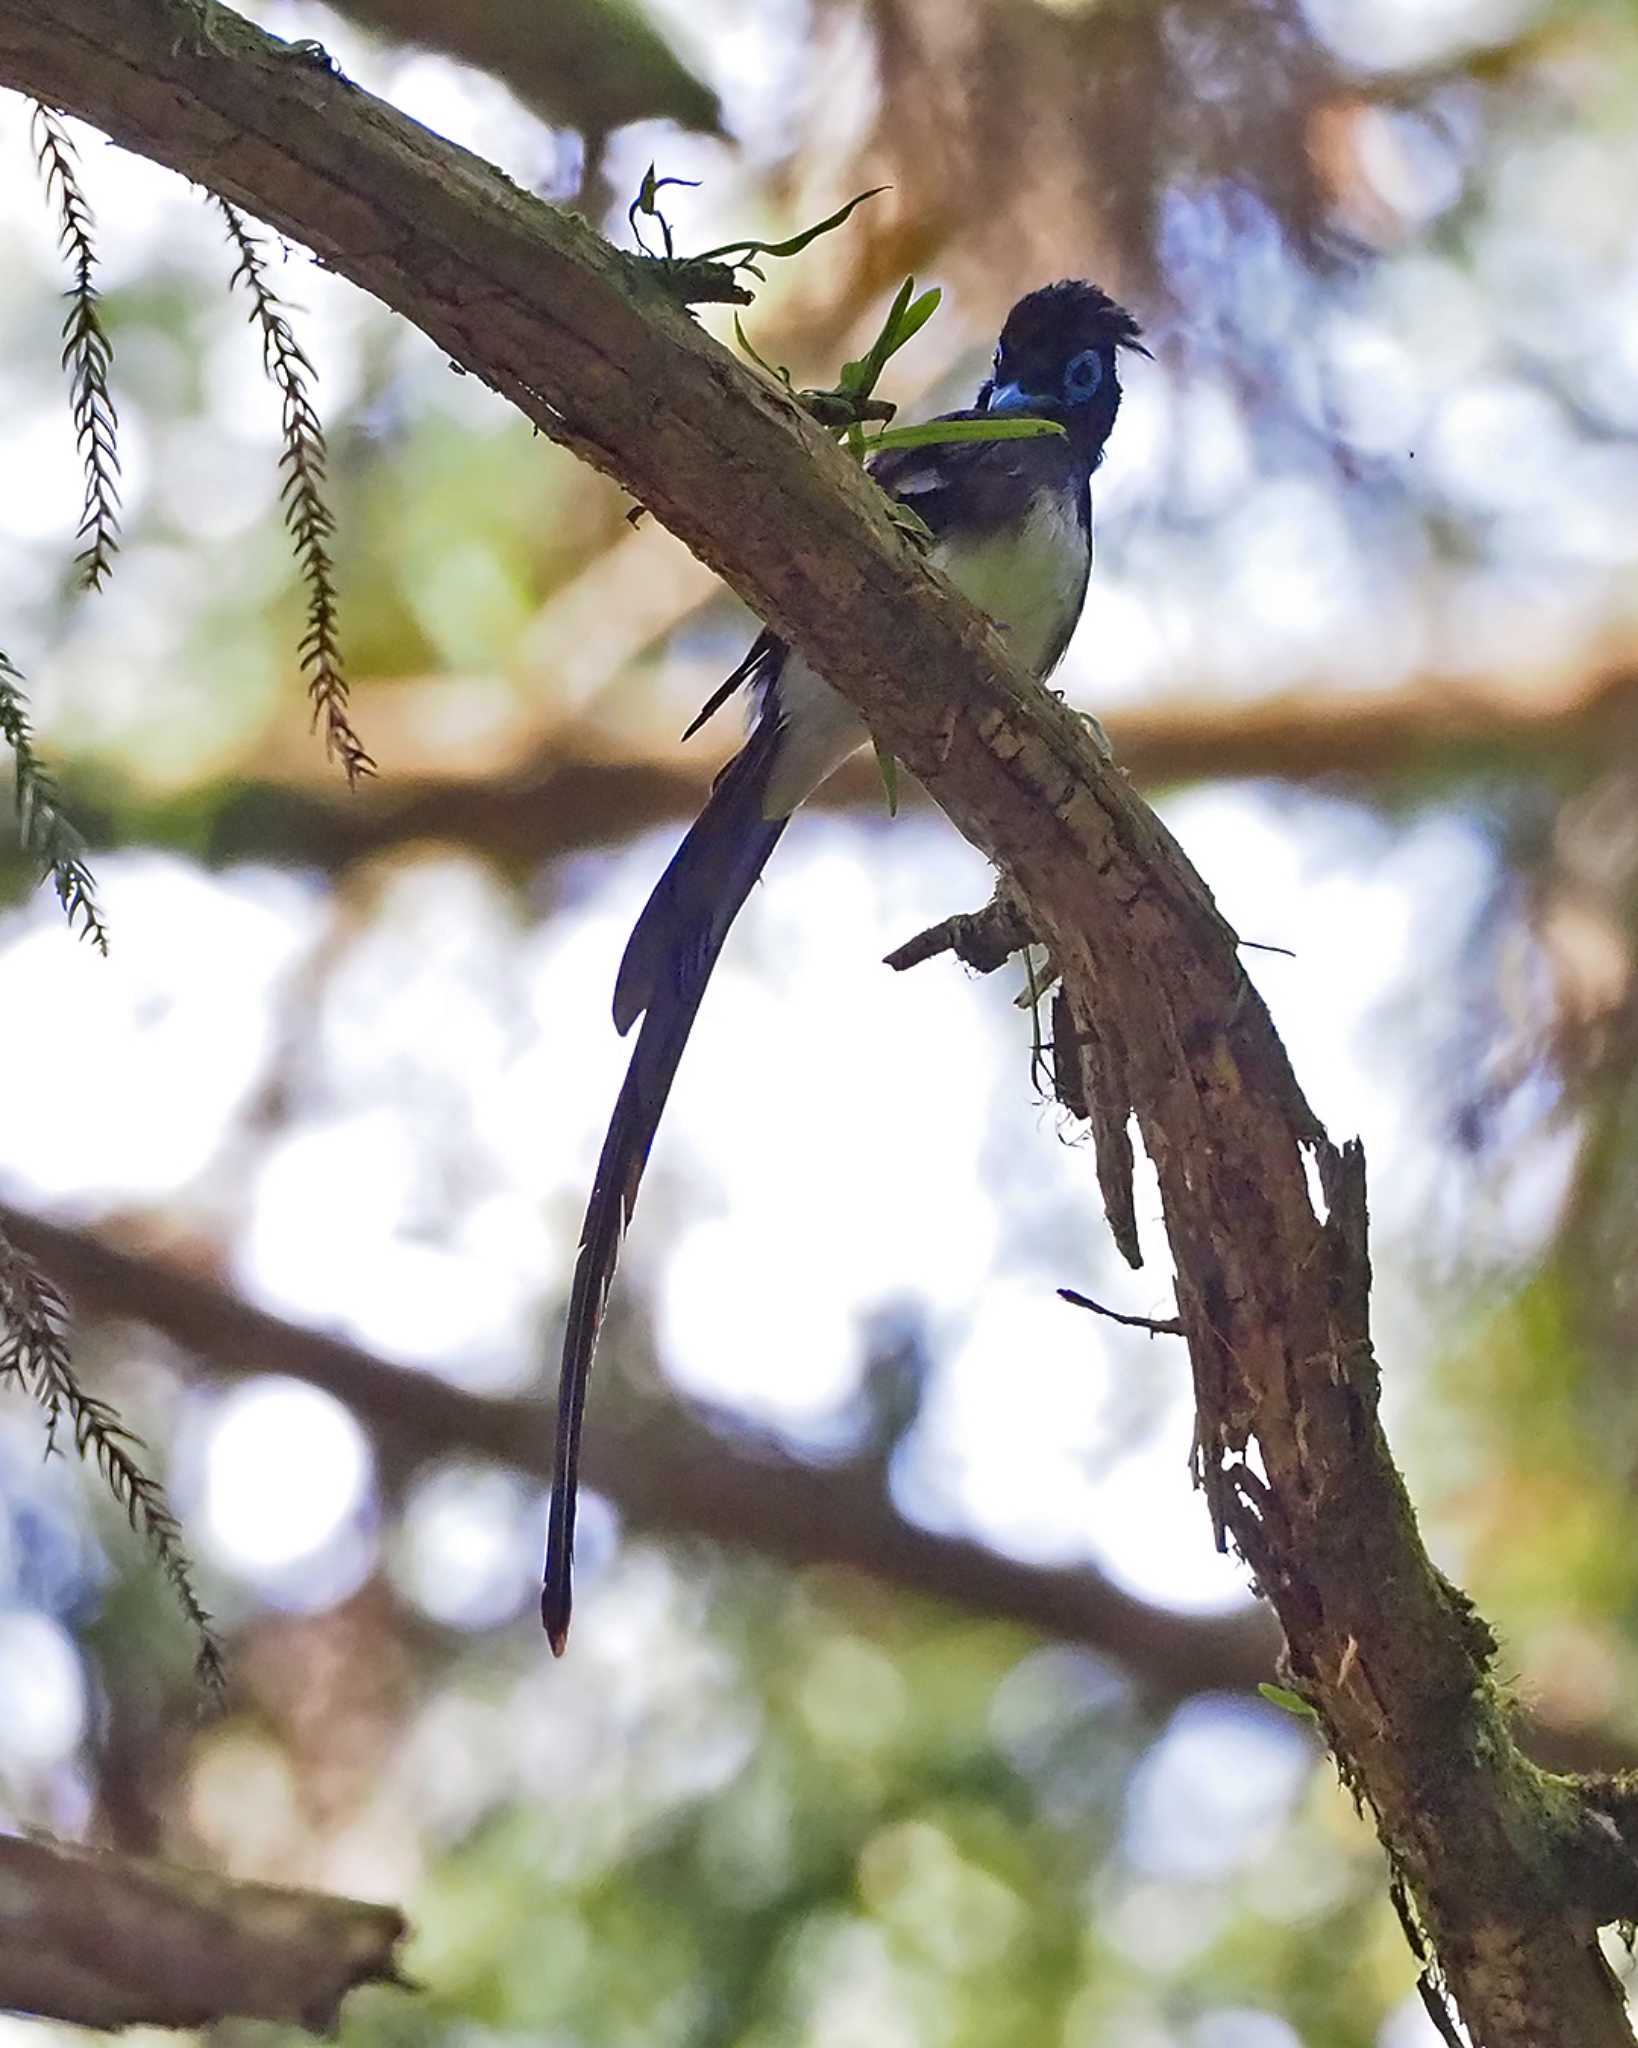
x=1056, y=359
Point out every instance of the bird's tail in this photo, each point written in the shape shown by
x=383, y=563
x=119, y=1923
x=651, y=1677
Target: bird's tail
x=667, y=964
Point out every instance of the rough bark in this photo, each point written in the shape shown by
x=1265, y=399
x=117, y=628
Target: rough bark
x=1507, y=1870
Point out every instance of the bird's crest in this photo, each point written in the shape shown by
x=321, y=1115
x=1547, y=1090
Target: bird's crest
x=1067, y=314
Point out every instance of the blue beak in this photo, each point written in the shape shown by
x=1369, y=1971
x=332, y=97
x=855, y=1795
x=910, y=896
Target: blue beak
x=1013, y=398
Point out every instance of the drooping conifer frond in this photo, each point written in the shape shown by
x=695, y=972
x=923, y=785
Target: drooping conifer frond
x=34, y=1358
x=306, y=513
x=87, y=352
x=44, y=831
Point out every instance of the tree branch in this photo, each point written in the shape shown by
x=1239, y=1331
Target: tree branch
x=538, y=791
x=670, y=1474
x=118, y=1941
x=665, y=1472
x=1272, y=1286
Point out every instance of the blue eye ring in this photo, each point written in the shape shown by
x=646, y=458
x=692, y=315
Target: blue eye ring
x=1083, y=375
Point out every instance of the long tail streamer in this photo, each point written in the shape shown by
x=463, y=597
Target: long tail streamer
x=663, y=977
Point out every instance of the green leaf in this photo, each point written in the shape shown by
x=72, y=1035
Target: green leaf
x=781, y=375
x=933, y=431
x=740, y=252
x=1288, y=1702
x=906, y=317
x=889, y=767
x=916, y=316
x=861, y=376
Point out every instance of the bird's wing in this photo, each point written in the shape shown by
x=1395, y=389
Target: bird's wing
x=763, y=661
x=990, y=484
x=994, y=482
x=1011, y=527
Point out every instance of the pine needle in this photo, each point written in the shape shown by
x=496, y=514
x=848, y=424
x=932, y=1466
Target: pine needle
x=88, y=354
x=307, y=514
x=34, y=1358
x=45, y=833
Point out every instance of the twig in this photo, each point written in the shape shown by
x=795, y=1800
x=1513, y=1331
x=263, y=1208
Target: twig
x=42, y=827
x=1157, y=1326
x=983, y=939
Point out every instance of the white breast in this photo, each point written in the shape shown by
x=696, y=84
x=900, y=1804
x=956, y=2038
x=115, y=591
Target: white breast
x=1031, y=580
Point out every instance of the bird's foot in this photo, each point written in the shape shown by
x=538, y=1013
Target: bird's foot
x=1100, y=739
x=1095, y=731
x=311, y=51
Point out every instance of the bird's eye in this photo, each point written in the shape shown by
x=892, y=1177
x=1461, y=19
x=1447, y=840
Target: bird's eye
x=1083, y=375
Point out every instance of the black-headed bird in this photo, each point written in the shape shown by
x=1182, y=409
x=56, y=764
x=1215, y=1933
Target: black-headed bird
x=1011, y=526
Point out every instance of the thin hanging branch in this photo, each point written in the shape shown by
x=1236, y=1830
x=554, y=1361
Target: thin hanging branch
x=307, y=513
x=34, y=1358
x=88, y=354
x=45, y=832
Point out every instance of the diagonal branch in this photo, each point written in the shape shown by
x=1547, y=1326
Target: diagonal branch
x=1508, y=1871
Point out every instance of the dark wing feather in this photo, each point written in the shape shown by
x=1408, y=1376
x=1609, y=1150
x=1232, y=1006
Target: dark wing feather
x=760, y=666
x=663, y=977
x=683, y=893
x=989, y=484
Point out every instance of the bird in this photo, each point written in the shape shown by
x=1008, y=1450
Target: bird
x=1010, y=522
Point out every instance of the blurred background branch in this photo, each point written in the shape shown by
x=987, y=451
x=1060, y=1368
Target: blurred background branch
x=575, y=788
x=665, y=1471
x=109, y=1942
